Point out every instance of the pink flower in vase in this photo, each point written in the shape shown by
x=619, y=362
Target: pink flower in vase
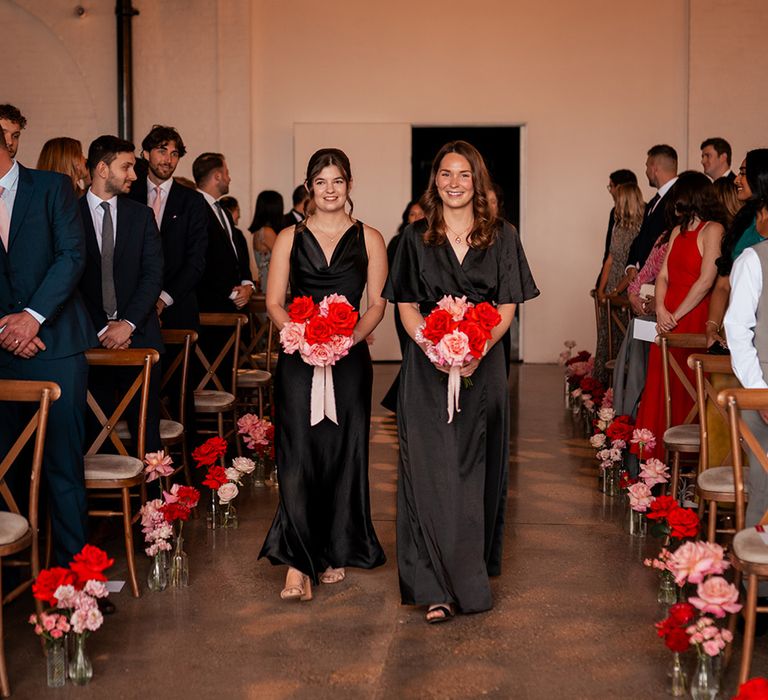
x=244, y=465
x=606, y=414
x=607, y=399
x=456, y=306
x=693, y=561
x=654, y=471
x=454, y=348
x=644, y=437
x=292, y=336
x=640, y=496
x=318, y=355
x=254, y=430
x=227, y=492
x=716, y=596
x=597, y=440
x=157, y=464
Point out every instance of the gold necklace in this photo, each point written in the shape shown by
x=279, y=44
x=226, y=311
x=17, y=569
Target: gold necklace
x=460, y=238
x=333, y=238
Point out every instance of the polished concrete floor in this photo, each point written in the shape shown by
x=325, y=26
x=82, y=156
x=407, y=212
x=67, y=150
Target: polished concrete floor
x=573, y=616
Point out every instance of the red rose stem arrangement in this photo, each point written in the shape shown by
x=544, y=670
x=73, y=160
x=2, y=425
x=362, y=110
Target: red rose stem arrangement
x=456, y=332
x=322, y=335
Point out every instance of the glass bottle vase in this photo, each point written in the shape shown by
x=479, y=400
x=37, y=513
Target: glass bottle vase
x=56, y=662
x=157, y=578
x=259, y=473
x=638, y=525
x=679, y=686
x=230, y=517
x=80, y=668
x=667, y=594
x=213, y=515
x=704, y=685
x=179, y=576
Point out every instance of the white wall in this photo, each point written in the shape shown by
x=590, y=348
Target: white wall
x=596, y=83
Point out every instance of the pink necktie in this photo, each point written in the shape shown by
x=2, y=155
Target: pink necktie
x=5, y=221
x=156, y=204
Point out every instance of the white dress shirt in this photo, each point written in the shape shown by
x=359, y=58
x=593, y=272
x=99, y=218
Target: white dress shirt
x=165, y=189
x=741, y=319
x=10, y=183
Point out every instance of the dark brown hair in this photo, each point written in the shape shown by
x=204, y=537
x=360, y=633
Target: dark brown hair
x=322, y=159
x=204, y=165
x=485, y=224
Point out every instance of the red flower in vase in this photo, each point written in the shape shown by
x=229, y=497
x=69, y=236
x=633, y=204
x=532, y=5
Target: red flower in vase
x=620, y=429
x=188, y=496
x=216, y=476
x=210, y=451
x=48, y=580
x=89, y=565
x=174, y=511
x=683, y=523
x=582, y=356
x=662, y=507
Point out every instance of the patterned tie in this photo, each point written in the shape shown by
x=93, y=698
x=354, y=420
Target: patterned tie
x=222, y=218
x=108, y=297
x=5, y=221
x=156, y=204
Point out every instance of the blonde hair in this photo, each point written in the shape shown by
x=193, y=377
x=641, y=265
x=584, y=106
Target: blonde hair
x=63, y=155
x=630, y=206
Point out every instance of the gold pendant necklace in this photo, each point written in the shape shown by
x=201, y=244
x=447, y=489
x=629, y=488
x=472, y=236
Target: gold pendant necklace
x=460, y=238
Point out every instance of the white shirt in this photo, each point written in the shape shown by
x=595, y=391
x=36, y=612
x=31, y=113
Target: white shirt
x=10, y=183
x=212, y=204
x=165, y=189
x=741, y=319
x=666, y=187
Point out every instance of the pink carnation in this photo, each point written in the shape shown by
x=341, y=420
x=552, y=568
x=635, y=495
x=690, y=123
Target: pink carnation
x=254, y=429
x=456, y=306
x=716, y=596
x=692, y=561
x=640, y=496
x=292, y=336
x=654, y=471
x=454, y=348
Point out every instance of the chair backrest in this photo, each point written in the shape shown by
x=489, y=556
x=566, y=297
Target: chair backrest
x=257, y=309
x=703, y=366
x=735, y=401
x=43, y=394
x=231, y=345
x=691, y=341
x=140, y=358
x=177, y=369
x=616, y=311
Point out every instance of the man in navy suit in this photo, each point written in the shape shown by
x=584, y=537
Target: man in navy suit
x=123, y=273
x=181, y=216
x=44, y=331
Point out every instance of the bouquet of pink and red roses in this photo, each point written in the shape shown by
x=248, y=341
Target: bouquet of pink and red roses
x=454, y=333
x=322, y=335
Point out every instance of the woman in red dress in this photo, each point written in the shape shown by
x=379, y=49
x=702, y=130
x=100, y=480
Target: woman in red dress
x=682, y=295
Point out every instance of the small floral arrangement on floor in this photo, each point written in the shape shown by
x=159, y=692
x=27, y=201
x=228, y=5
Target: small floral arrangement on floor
x=259, y=437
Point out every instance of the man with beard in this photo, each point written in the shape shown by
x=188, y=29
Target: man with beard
x=123, y=274
x=180, y=214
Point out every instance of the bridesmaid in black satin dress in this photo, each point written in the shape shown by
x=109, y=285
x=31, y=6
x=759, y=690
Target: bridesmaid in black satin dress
x=323, y=521
x=450, y=510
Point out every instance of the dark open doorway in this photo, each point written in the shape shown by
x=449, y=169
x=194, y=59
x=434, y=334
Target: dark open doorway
x=500, y=148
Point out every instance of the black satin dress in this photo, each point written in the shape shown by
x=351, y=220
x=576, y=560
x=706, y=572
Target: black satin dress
x=324, y=515
x=453, y=476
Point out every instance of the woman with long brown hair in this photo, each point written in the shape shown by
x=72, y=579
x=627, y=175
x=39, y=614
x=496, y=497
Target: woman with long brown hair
x=65, y=155
x=323, y=521
x=453, y=475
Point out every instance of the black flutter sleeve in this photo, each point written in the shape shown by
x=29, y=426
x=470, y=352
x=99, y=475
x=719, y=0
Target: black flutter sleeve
x=516, y=283
x=404, y=283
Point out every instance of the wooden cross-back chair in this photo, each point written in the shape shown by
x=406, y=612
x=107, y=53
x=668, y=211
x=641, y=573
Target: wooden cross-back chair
x=749, y=554
x=683, y=438
x=256, y=380
x=17, y=532
x=119, y=473
x=714, y=483
x=617, y=310
x=212, y=396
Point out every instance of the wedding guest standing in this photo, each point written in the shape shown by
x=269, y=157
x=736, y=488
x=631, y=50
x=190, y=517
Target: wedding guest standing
x=450, y=510
x=323, y=521
x=266, y=224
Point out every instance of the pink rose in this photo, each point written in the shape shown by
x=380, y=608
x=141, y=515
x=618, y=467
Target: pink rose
x=716, y=596
x=254, y=429
x=713, y=647
x=339, y=345
x=233, y=474
x=640, y=496
x=331, y=299
x=597, y=440
x=292, y=336
x=244, y=465
x=654, y=471
x=456, y=306
x=606, y=414
x=454, y=348
x=57, y=634
x=318, y=355
x=227, y=492
x=692, y=561
x=49, y=622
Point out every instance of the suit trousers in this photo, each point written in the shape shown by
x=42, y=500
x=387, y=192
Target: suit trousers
x=63, y=471
x=629, y=373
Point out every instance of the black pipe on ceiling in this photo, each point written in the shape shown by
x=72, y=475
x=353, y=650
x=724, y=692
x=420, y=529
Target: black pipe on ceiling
x=125, y=12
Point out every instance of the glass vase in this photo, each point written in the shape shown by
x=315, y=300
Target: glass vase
x=179, y=577
x=80, y=669
x=230, y=517
x=667, y=594
x=704, y=684
x=679, y=686
x=157, y=578
x=638, y=525
x=273, y=476
x=213, y=516
x=56, y=662
x=611, y=481
x=260, y=472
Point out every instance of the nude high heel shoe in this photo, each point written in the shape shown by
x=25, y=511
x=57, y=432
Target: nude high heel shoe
x=300, y=589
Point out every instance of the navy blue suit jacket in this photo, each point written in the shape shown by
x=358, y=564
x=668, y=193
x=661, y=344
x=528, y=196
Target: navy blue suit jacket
x=44, y=262
x=138, y=271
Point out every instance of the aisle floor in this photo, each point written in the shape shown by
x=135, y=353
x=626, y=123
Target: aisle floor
x=573, y=616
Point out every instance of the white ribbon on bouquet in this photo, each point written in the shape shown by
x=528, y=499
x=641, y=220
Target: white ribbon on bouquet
x=322, y=398
x=454, y=387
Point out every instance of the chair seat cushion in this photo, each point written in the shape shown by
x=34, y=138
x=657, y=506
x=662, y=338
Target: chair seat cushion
x=12, y=527
x=170, y=429
x=748, y=546
x=209, y=400
x=720, y=480
x=252, y=377
x=683, y=435
x=108, y=467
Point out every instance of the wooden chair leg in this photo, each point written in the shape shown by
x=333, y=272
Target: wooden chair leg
x=675, y=474
x=185, y=462
x=220, y=423
x=261, y=403
x=129, y=554
x=48, y=542
x=5, y=688
x=750, y=617
x=712, y=522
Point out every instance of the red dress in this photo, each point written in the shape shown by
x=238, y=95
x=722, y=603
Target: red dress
x=683, y=269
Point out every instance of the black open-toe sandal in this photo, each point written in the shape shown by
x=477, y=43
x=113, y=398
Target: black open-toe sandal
x=445, y=614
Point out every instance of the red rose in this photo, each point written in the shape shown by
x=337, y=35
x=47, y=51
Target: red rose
x=662, y=507
x=438, y=324
x=174, y=511
x=477, y=337
x=188, y=496
x=753, y=689
x=683, y=523
x=342, y=317
x=583, y=356
x=677, y=639
x=48, y=580
x=487, y=315
x=89, y=565
x=301, y=309
x=210, y=451
x=216, y=476
x=318, y=330
x=618, y=430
